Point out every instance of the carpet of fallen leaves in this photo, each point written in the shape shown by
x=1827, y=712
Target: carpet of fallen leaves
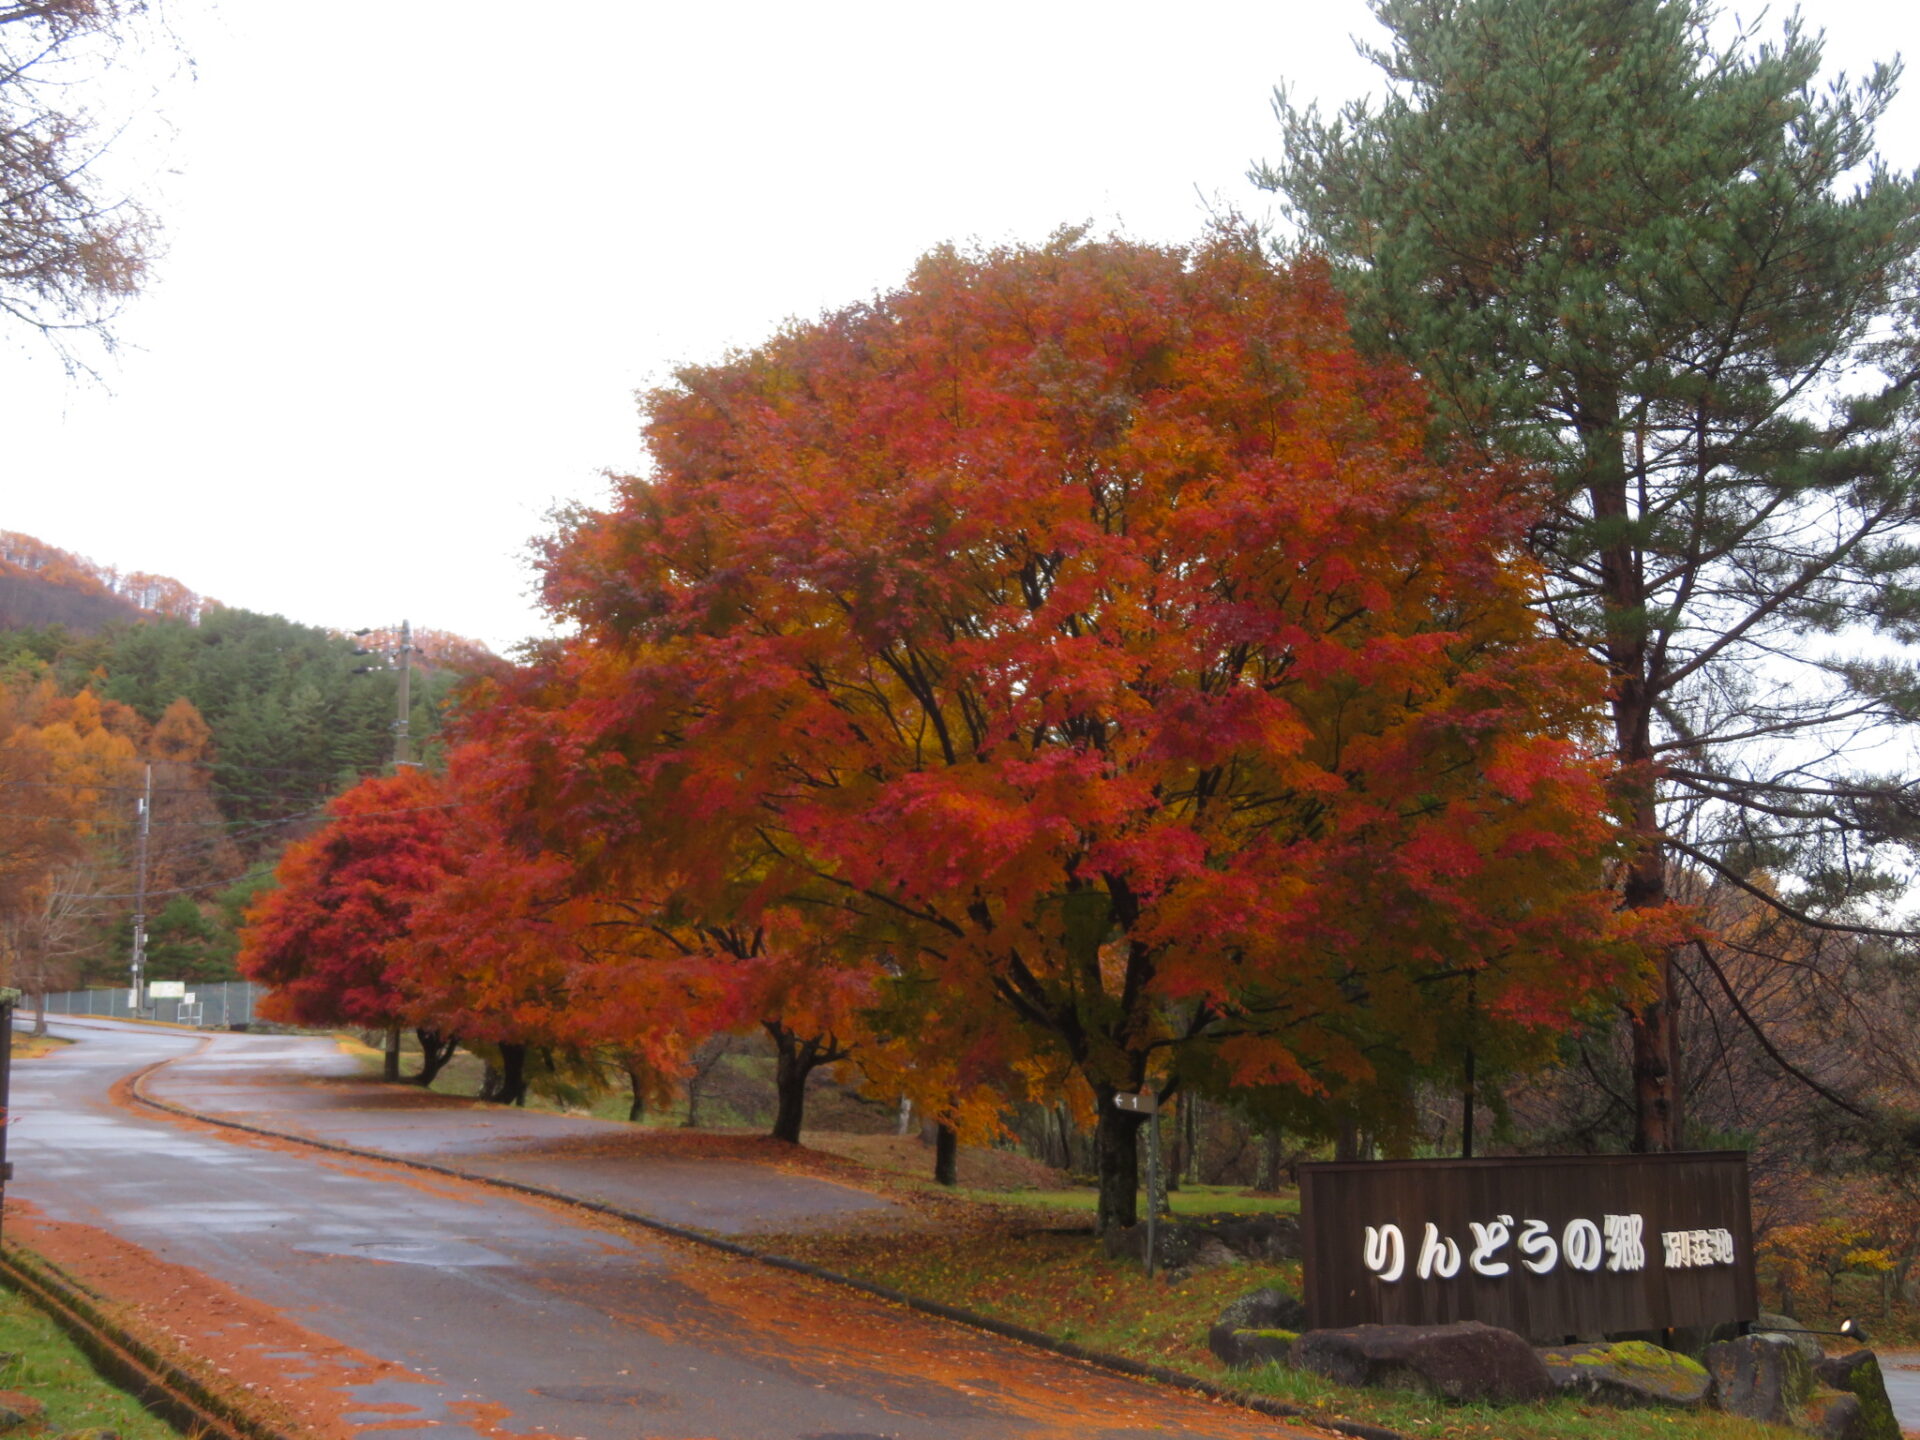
x=1008, y=1262
x=997, y=1260
x=282, y=1372
x=677, y=1144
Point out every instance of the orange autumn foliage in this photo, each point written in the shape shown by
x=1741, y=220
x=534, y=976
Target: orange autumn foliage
x=1083, y=637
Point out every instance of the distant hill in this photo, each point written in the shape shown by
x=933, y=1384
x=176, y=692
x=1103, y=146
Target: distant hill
x=42, y=585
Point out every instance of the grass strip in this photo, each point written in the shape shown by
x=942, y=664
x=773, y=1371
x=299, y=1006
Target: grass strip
x=40, y=1360
x=160, y=1395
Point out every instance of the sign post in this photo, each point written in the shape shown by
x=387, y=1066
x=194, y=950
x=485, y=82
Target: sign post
x=1148, y=1105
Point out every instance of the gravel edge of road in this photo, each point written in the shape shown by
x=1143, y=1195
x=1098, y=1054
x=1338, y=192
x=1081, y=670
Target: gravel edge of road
x=176, y=1395
x=1066, y=1349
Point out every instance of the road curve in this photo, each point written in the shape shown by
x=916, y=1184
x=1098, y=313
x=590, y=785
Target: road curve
x=354, y=1296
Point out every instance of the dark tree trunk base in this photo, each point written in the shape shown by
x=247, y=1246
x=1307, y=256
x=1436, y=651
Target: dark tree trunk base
x=513, y=1075
x=794, y=1060
x=1116, y=1153
x=436, y=1050
x=946, y=1156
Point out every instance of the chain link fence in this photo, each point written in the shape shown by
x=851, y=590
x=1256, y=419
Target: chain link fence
x=219, y=1005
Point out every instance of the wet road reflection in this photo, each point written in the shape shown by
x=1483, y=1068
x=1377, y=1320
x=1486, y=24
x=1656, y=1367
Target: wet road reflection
x=494, y=1315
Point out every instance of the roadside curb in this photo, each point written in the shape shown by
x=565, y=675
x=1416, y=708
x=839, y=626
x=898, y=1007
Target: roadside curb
x=1067, y=1349
x=176, y=1395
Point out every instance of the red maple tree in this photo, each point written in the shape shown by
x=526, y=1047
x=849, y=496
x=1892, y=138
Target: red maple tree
x=1088, y=633
x=326, y=938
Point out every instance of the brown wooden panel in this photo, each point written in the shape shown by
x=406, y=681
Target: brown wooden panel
x=1558, y=1213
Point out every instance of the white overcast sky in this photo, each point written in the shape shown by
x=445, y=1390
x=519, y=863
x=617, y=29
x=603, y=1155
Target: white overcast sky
x=419, y=257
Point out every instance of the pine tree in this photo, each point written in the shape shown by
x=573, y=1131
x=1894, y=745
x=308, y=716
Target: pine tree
x=1680, y=277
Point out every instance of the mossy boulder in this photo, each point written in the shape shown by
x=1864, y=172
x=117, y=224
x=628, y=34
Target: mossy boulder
x=1628, y=1374
x=1243, y=1349
x=1760, y=1377
x=1464, y=1361
x=1808, y=1345
x=1258, y=1329
x=1857, y=1373
x=1202, y=1241
x=1268, y=1309
x=1831, y=1415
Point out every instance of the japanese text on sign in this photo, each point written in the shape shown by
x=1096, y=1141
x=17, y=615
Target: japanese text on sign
x=1617, y=1242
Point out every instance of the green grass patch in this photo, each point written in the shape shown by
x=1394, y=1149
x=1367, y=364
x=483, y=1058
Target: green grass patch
x=43, y=1363
x=1187, y=1200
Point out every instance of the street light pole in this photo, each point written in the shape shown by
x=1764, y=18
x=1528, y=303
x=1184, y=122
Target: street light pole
x=134, y=995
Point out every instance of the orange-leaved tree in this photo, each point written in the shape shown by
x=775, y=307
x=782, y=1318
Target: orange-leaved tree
x=649, y=972
x=66, y=766
x=1087, y=628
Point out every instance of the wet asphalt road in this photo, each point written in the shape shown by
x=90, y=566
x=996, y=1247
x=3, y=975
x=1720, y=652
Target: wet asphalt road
x=242, y=1077
x=1901, y=1370
x=554, y=1326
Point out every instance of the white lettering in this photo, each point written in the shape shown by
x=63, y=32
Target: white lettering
x=1620, y=1242
x=1386, y=1252
x=1580, y=1243
x=1693, y=1249
x=1625, y=1251
x=1486, y=1240
x=1438, y=1255
x=1538, y=1248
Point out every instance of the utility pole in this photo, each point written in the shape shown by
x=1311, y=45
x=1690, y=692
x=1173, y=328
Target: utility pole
x=402, y=722
x=135, y=996
x=402, y=739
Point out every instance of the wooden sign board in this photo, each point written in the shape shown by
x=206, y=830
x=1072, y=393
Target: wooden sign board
x=1548, y=1246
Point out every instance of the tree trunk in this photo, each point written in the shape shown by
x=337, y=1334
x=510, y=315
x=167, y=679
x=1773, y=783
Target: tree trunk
x=946, y=1156
x=390, y=1067
x=1656, y=1101
x=1176, y=1162
x=513, y=1074
x=1466, y=1110
x=1348, y=1143
x=1272, y=1150
x=1116, y=1153
x=790, y=1087
x=637, y=1101
x=1656, y=1091
x=904, y=1125
x=40, y=1011
x=794, y=1061
x=1190, y=1122
x=490, y=1079
x=436, y=1050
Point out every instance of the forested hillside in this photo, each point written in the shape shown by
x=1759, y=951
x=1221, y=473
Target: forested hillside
x=250, y=723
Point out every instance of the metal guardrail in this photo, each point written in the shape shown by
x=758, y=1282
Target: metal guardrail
x=217, y=1005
